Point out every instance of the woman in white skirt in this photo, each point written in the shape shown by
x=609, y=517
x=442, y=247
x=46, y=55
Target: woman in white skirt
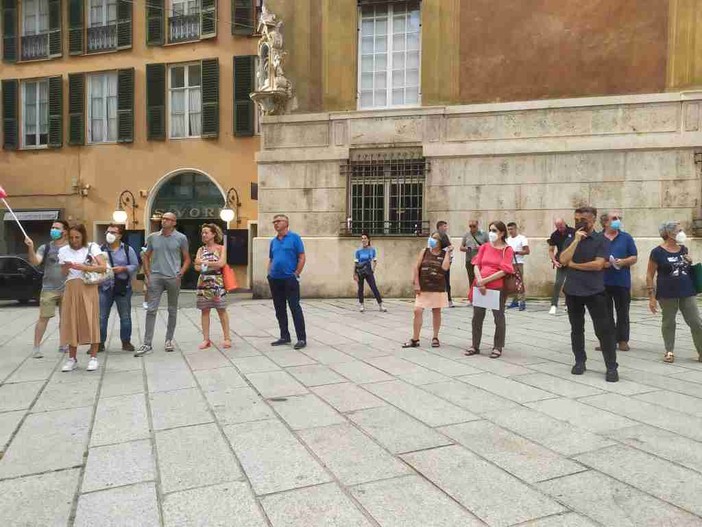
x=430, y=287
x=80, y=309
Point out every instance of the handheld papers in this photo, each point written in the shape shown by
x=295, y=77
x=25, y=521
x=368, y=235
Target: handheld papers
x=490, y=300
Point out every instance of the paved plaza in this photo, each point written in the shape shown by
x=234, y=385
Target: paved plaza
x=352, y=431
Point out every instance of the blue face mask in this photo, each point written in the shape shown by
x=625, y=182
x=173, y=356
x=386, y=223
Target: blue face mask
x=432, y=243
x=616, y=224
x=55, y=234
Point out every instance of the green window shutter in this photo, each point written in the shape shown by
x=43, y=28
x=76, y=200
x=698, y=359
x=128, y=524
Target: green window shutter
x=76, y=109
x=55, y=112
x=124, y=24
x=75, y=27
x=156, y=101
x=10, y=101
x=9, y=30
x=208, y=18
x=210, y=98
x=155, y=22
x=125, y=105
x=244, y=84
x=55, y=47
x=243, y=17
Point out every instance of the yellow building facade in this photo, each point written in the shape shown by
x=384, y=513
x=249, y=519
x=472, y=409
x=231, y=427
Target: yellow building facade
x=120, y=100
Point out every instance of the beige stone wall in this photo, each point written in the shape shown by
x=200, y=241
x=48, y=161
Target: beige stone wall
x=525, y=162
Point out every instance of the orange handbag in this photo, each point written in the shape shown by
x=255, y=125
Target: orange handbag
x=229, y=278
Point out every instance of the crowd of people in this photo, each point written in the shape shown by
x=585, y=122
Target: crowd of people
x=84, y=280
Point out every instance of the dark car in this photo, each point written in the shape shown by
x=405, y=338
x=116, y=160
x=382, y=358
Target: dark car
x=19, y=280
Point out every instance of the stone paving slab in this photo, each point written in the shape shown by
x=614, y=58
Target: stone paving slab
x=352, y=430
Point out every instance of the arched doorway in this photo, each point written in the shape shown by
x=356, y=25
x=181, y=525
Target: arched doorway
x=196, y=199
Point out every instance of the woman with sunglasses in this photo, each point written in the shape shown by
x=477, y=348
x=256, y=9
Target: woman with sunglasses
x=617, y=277
x=491, y=265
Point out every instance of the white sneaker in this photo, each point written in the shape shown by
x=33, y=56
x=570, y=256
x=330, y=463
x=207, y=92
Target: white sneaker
x=92, y=364
x=145, y=305
x=451, y=303
x=553, y=310
x=361, y=308
x=382, y=308
x=37, y=354
x=169, y=345
x=143, y=350
x=70, y=365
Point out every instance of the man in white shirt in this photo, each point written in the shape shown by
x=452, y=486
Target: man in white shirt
x=520, y=245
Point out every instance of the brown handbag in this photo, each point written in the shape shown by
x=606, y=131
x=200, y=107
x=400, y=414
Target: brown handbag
x=513, y=283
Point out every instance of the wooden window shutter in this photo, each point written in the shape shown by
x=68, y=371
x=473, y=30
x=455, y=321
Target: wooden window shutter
x=210, y=98
x=76, y=109
x=243, y=17
x=208, y=18
x=9, y=30
x=124, y=23
x=155, y=18
x=10, y=102
x=244, y=84
x=156, y=101
x=55, y=112
x=75, y=28
x=125, y=105
x=55, y=43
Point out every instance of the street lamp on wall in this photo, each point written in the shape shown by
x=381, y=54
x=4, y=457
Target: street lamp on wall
x=231, y=207
x=126, y=199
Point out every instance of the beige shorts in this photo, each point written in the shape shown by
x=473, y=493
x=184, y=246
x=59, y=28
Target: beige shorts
x=48, y=302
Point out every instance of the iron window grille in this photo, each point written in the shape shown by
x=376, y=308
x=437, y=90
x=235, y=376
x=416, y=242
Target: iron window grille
x=386, y=194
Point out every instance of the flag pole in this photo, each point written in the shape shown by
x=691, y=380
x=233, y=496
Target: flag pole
x=15, y=217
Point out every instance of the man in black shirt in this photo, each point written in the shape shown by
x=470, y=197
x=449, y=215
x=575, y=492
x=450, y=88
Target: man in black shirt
x=585, y=257
x=558, y=239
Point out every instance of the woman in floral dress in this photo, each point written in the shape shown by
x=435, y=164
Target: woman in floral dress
x=211, y=294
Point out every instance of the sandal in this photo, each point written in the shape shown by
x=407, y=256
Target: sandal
x=496, y=353
x=669, y=357
x=471, y=351
x=205, y=344
x=435, y=343
x=411, y=344
x=227, y=343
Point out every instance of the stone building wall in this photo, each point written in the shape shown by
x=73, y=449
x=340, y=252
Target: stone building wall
x=526, y=162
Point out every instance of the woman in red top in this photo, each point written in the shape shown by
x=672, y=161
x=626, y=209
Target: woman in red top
x=492, y=264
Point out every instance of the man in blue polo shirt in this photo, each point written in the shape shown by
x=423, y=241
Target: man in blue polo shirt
x=286, y=259
x=617, y=278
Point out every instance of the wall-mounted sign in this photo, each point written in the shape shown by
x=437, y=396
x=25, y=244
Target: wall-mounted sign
x=205, y=213
x=190, y=196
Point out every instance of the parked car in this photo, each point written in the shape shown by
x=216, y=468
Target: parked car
x=19, y=280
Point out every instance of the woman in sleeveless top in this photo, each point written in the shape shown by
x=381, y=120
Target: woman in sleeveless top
x=209, y=262
x=430, y=287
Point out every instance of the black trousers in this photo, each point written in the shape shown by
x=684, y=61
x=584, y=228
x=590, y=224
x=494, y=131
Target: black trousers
x=448, y=284
x=371, y=283
x=597, y=307
x=287, y=290
x=619, y=300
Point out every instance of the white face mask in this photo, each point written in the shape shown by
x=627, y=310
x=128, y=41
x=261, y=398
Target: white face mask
x=492, y=236
x=680, y=238
x=110, y=238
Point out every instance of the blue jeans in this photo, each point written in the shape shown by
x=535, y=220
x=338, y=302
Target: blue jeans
x=288, y=290
x=124, y=308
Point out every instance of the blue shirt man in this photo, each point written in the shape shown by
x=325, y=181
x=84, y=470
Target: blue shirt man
x=286, y=259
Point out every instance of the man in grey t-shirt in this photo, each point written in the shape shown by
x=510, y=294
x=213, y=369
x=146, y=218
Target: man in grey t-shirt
x=165, y=261
x=472, y=240
x=53, y=282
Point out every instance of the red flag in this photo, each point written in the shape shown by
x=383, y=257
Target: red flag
x=3, y=194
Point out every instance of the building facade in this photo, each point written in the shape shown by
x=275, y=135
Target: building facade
x=113, y=104
x=410, y=112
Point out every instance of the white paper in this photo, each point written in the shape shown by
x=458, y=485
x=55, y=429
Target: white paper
x=490, y=300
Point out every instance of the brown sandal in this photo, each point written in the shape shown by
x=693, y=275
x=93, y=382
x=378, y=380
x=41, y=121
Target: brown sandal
x=435, y=343
x=496, y=353
x=411, y=344
x=471, y=351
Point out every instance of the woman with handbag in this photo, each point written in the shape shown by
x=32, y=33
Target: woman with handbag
x=675, y=289
x=429, y=280
x=210, y=262
x=492, y=265
x=84, y=266
x=365, y=261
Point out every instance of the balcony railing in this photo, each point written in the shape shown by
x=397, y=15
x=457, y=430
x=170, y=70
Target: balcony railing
x=385, y=228
x=182, y=28
x=35, y=46
x=102, y=38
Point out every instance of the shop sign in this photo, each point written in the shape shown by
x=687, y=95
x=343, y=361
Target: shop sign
x=185, y=212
